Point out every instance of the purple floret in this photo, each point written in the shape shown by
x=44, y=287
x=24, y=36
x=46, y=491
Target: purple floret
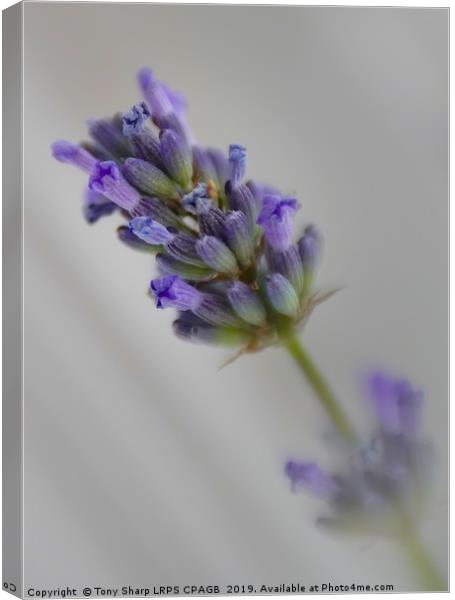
x=172, y=292
x=276, y=218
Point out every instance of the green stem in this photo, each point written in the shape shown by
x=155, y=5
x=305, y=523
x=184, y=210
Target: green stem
x=422, y=563
x=320, y=386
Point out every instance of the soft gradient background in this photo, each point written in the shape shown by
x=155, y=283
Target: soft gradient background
x=144, y=463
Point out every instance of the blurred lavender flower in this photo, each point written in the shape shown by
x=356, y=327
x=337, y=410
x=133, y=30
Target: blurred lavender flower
x=210, y=226
x=384, y=477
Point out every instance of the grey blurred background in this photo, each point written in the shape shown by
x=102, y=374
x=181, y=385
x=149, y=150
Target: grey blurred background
x=144, y=463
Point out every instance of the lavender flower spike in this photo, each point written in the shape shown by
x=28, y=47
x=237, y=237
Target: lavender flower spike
x=134, y=119
x=276, y=218
x=107, y=180
x=73, y=154
x=312, y=477
x=173, y=292
x=193, y=209
x=150, y=231
x=237, y=160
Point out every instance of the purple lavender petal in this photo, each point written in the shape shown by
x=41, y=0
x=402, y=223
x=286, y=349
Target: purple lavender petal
x=96, y=206
x=166, y=106
x=154, y=93
x=135, y=118
x=276, y=218
x=173, y=292
x=107, y=180
x=197, y=201
x=150, y=231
